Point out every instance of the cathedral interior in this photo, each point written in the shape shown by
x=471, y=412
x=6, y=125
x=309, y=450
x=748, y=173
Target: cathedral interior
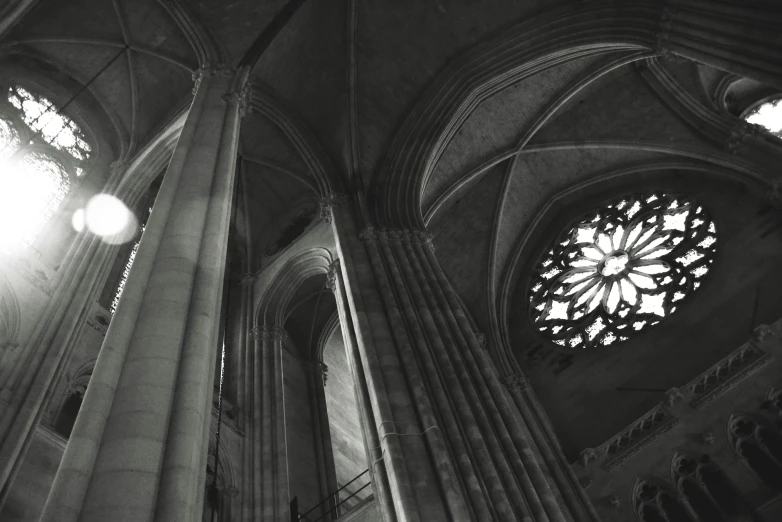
x=399, y=261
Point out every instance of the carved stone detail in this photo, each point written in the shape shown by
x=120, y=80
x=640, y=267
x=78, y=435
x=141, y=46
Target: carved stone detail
x=117, y=168
x=212, y=71
x=483, y=342
x=762, y=332
x=243, y=97
x=739, y=133
x=515, y=382
x=638, y=435
x=247, y=279
x=726, y=374
x=328, y=203
x=313, y=366
x=332, y=277
x=673, y=395
x=587, y=455
x=398, y=235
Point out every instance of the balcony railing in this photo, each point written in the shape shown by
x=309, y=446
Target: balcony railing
x=332, y=512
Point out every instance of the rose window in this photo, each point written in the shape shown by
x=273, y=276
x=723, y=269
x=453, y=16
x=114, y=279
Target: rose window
x=621, y=268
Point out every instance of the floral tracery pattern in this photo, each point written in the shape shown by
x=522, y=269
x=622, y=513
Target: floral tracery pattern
x=621, y=268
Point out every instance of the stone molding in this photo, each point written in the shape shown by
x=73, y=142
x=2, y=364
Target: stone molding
x=515, y=381
x=327, y=204
x=332, y=277
x=740, y=132
x=212, y=71
x=269, y=332
x=313, y=366
x=718, y=379
x=637, y=436
x=397, y=235
x=247, y=280
x=118, y=167
x=726, y=374
x=243, y=97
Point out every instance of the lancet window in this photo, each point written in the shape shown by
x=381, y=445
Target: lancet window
x=42, y=153
x=621, y=268
x=759, y=445
x=656, y=501
x=707, y=490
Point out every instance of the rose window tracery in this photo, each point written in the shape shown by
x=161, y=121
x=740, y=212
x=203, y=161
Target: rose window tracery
x=621, y=268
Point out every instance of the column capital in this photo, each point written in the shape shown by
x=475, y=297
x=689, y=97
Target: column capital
x=211, y=71
x=247, y=279
x=369, y=233
x=313, y=366
x=269, y=332
x=398, y=235
x=515, y=382
x=327, y=204
x=242, y=96
x=332, y=275
x=118, y=167
x=739, y=133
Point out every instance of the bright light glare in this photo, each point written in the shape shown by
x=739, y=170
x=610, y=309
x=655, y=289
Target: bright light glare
x=78, y=220
x=108, y=217
x=29, y=192
x=769, y=115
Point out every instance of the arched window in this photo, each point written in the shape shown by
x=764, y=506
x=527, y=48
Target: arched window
x=621, y=268
x=768, y=115
x=42, y=152
x=759, y=446
x=656, y=501
x=707, y=490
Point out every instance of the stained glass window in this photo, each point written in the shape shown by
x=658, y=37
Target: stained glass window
x=42, y=117
x=621, y=268
x=769, y=115
x=39, y=151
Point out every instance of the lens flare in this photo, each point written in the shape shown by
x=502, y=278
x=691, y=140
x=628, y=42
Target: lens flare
x=108, y=217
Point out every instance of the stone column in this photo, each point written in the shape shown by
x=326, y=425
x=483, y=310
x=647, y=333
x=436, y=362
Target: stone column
x=377, y=472
x=483, y=444
x=138, y=448
x=265, y=489
x=418, y=464
x=543, y=438
x=317, y=376
x=28, y=380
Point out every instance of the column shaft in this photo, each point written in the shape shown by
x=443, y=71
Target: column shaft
x=382, y=338
x=371, y=440
x=138, y=447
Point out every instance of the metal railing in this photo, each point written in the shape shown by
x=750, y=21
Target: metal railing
x=296, y=517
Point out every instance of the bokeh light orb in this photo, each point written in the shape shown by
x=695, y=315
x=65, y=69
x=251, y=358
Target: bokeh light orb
x=108, y=217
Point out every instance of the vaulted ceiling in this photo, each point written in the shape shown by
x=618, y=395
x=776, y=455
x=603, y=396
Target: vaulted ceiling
x=340, y=80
